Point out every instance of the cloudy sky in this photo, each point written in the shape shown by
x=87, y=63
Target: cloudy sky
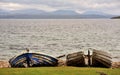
x=107, y=6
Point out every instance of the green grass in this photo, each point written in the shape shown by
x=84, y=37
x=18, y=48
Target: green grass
x=58, y=71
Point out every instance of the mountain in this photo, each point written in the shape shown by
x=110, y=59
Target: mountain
x=24, y=11
x=97, y=14
x=59, y=14
x=38, y=12
x=29, y=11
x=64, y=12
x=94, y=13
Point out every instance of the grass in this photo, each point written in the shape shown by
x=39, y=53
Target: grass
x=58, y=71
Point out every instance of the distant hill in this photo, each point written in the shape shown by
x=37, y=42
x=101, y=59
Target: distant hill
x=59, y=14
x=19, y=12
x=64, y=12
x=94, y=13
x=118, y=17
x=29, y=11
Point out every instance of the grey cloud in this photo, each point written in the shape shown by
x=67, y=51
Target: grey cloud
x=72, y=4
x=51, y=3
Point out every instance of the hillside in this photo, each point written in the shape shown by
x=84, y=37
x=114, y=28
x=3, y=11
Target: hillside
x=118, y=17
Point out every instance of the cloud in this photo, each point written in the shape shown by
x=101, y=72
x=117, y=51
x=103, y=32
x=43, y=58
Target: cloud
x=11, y=6
x=16, y=6
x=52, y=5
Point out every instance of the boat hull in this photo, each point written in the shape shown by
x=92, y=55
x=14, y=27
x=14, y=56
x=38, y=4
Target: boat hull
x=33, y=60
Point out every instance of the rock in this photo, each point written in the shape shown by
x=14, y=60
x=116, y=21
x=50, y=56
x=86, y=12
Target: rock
x=61, y=63
x=116, y=65
x=4, y=64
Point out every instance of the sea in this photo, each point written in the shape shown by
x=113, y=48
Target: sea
x=57, y=37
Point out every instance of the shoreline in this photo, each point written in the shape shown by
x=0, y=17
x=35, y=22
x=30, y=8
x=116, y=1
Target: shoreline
x=61, y=63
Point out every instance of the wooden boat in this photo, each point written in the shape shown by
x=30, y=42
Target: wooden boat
x=33, y=60
x=75, y=59
x=101, y=59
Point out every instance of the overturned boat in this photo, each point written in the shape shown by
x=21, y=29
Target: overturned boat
x=33, y=60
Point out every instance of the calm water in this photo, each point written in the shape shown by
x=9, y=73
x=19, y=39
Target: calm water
x=57, y=37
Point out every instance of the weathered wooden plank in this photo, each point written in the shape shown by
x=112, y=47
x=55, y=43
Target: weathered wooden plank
x=97, y=63
x=102, y=57
x=78, y=62
x=75, y=59
x=106, y=59
x=74, y=54
x=61, y=56
x=103, y=62
x=101, y=53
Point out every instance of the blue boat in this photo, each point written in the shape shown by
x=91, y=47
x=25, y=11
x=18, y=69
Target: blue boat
x=33, y=60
